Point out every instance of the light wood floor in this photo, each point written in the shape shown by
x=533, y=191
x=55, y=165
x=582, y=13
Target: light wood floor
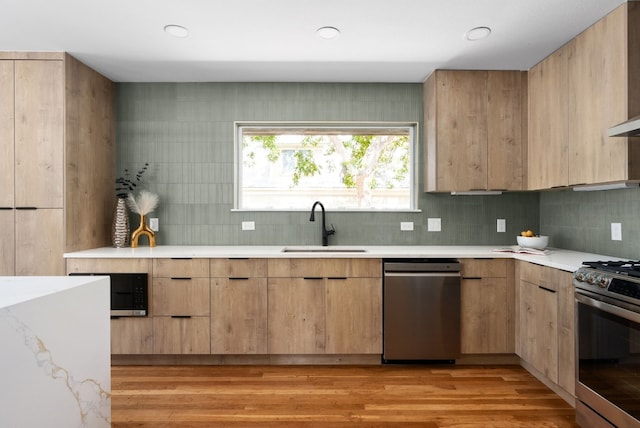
x=333, y=396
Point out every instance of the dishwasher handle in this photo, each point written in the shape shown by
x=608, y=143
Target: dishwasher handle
x=439, y=267
x=423, y=274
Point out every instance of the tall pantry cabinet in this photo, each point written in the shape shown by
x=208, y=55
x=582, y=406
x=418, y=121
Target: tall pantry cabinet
x=57, y=140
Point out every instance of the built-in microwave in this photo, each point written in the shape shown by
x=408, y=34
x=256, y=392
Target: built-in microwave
x=129, y=293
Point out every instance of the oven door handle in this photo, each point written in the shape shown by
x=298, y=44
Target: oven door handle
x=607, y=307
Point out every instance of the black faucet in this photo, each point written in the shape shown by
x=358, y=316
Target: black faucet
x=325, y=232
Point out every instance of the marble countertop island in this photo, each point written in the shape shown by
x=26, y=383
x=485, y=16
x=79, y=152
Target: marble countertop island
x=55, y=360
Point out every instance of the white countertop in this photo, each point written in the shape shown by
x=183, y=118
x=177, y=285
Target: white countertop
x=559, y=259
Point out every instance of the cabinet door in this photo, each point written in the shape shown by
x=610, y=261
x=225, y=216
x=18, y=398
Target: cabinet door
x=238, y=315
x=7, y=243
x=39, y=242
x=484, y=309
x=130, y=335
x=548, y=125
x=296, y=311
x=598, y=89
x=39, y=134
x=505, y=160
x=538, y=315
x=461, y=128
x=354, y=316
x=181, y=335
x=7, y=120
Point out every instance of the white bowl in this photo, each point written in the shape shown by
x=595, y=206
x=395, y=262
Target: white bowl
x=539, y=242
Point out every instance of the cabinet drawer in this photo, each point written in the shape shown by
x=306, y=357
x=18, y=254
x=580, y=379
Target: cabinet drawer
x=181, y=268
x=181, y=335
x=238, y=268
x=539, y=275
x=180, y=296
x=325, y=268
x=484, y=268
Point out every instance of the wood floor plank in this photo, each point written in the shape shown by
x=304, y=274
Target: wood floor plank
x=334, y=396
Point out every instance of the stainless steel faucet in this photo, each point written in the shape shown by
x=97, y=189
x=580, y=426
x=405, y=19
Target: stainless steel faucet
x=325, y=232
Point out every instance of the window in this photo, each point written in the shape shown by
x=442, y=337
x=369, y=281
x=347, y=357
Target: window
x=288, y=166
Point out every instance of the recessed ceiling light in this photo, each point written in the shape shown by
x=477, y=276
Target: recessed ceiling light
x=328, y=32
x=176, y=30
x=478, y=33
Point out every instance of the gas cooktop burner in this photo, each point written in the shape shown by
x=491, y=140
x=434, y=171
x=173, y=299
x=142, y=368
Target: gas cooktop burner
x=621, y=267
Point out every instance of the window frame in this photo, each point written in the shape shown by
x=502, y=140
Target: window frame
x=413, y=128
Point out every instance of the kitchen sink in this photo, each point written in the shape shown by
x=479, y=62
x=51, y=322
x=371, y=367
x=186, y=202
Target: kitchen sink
x=323, y=250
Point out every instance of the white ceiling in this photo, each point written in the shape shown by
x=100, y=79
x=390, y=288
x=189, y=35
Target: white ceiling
x=275, y=41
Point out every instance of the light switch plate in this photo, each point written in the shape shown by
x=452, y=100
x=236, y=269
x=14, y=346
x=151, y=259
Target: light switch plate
x=616, y=231
x=154, y=224
x=248, y=225
x=406, y=225
x=434, y=225
x=501, y=225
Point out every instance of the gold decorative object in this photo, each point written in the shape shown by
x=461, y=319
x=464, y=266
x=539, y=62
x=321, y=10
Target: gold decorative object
x=143, y=230
x=143, y=205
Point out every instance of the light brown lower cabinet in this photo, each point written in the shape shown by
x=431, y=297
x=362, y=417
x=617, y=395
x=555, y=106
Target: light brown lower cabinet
x=239, y=315
x=545, y=335
x=353, y=316
x=296, y=312
x=325, y=306
x=486, y=306
x=181, y=306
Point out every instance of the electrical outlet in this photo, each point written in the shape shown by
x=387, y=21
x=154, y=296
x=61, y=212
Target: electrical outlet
x=434, y=225
x=154, y=224
x=406, y=225
x=501, y=225
x=616, y=231
x=248, y=225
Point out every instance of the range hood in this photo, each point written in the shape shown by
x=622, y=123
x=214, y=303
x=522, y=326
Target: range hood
x=630, y=128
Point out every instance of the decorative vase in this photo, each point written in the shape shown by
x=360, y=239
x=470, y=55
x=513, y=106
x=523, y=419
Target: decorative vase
x=120, y=227
x=145, y=230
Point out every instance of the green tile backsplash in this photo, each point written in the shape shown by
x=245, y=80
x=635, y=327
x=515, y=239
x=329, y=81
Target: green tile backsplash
x=185, y=132
x=582, y=221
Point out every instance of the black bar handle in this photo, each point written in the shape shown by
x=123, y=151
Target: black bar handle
x=546, y=289
x=181, y=278
x=313, y=278
x=238, y=278
x=337, y=277
x=6, y=208
x=26, y=208
x=181, y=316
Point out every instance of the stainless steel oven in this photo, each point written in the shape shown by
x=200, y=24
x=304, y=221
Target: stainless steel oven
x=608, y=344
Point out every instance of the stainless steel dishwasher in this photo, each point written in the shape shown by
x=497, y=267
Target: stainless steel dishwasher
x=421, y=310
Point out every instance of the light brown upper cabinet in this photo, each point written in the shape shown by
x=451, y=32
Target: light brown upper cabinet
x=548, y=126
x=605, y=90
x=57, y=137
x=474, y=134
x=575, y=95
